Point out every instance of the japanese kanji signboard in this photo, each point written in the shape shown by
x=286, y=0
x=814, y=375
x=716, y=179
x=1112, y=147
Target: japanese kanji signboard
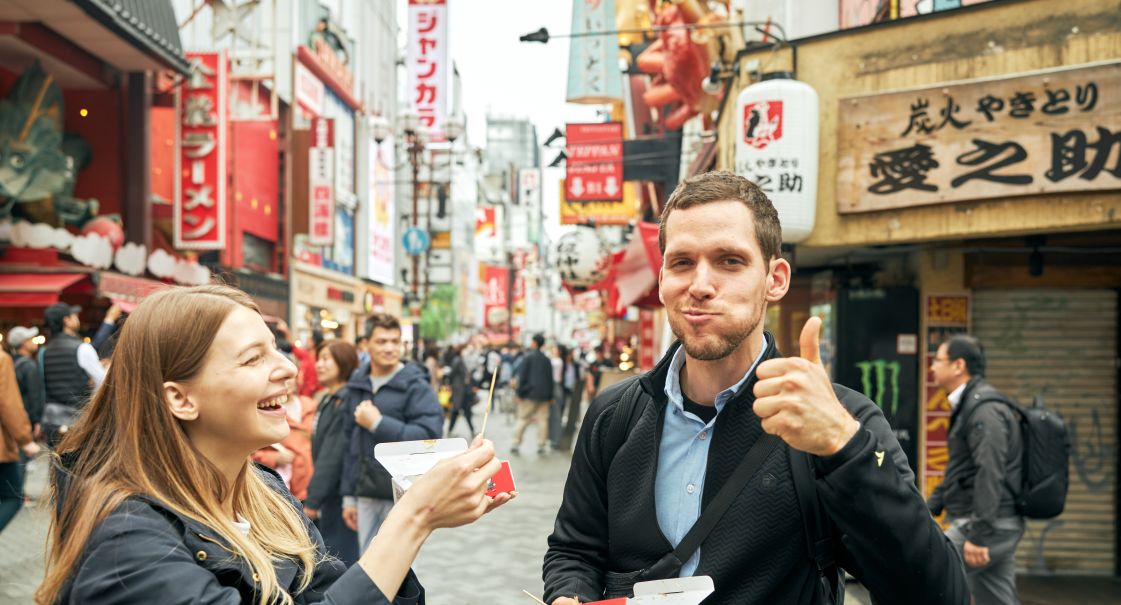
x=594, y=170
x=427, y=61
x=201, y=122
x=593, y=61
x=1052, y=131
x=321, y=183
x=946, y=315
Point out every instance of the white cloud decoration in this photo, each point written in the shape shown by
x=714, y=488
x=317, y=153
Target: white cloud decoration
x=131, y=259
x=92, y=250
x=161, y=264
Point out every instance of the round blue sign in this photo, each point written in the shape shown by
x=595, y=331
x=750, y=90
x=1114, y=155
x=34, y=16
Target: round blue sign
x=415, y=241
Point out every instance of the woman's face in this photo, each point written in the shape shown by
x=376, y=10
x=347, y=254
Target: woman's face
x=325, y=367
x=240, y=392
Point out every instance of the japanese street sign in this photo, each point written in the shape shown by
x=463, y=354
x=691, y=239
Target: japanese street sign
x=593, y=70
x=594, y=169
x=321, y=181
x=1051, y=131
x=200, y=165
x=415, y=240
x=427, y=62
x=603, y=213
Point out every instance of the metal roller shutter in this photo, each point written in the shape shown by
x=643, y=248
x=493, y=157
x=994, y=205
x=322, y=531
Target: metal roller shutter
x=1063, y=344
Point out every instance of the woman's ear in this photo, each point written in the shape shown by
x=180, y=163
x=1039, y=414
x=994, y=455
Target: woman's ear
x=181, y=406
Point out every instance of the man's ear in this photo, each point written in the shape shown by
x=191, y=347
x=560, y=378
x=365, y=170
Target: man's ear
x=778, y=279
x=181, y=406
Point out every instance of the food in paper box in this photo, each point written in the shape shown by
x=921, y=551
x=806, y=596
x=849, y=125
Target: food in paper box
x=674, y=591
x=406, y=461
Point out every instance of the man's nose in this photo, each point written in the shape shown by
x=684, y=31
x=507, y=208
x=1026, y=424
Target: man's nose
x=702, y=285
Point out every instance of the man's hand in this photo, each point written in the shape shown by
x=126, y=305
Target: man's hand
x=113, y=314
x=350, y=517
x=367, y=414
x=795, y=399
x=975, y=556
x=31, y=449
x=311, y=513
x=37, y=432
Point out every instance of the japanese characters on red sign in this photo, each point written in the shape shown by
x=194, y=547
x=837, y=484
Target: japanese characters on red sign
x=201, y=124
x=594, y=169
x=321, y=181
x=946, y=315
x=427, y=61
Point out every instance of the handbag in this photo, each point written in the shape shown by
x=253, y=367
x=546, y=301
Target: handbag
x=621, y=584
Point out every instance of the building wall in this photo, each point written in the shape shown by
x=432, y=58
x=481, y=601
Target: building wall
x=982, y=41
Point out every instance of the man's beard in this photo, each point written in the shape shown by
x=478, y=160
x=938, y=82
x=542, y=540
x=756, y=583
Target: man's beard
x=725, y=344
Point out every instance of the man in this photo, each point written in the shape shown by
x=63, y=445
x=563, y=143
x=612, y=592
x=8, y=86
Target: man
x=362, y=344
x=71, y=370
x=390, y=401
x=534, y=389
x=598, y=365
x=15, y=439
x=720, y=389
x=24, y=348
x=986, y=448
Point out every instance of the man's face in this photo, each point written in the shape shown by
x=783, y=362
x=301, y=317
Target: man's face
x=947, y=373
x=385, y=349
x=29, y=347
x=71, y=322
x=714, y=282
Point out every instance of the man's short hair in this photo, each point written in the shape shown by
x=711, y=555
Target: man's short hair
x=384, y=321
x=720, y=186
x=969, y=350
x=539, y=340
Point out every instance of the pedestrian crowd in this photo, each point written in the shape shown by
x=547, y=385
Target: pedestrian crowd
x=202, y=454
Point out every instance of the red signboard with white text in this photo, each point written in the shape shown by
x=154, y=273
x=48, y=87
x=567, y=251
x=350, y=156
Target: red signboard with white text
x=321, y=183
x=594, y=169
x=201, y=120
x=427, y=62
x=496, y=289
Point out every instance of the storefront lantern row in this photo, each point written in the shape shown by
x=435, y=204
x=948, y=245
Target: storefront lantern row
x=777, y=148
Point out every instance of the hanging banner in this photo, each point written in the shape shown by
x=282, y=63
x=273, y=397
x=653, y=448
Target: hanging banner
x=321, y=181
x=379, y=265
x=594, y=169
x=529, y=197
x=945, y=316
x=496, y=311
x=593, y=61
x=488, y=246
x=427, y=62
x=200, y=211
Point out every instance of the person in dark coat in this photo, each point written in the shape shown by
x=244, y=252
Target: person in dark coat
x=463, y=397
x=534, y=388
x=986, y=454
x=330, y=433
x=633, y=494
x=156, y=501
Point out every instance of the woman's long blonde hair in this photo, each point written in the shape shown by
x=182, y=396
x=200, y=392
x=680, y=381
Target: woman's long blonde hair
x=128, y=443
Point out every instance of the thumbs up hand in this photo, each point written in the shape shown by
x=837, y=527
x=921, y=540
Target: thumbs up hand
x=795, y=399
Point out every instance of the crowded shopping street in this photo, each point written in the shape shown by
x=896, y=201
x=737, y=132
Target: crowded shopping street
x=567, y=302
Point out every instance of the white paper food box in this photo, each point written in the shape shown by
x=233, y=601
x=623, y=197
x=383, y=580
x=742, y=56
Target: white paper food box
x=675, y=591
x=406, y=461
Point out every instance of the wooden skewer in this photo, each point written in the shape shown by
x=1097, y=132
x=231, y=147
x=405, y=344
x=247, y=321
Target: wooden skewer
x=530, y=595
x=490, y=398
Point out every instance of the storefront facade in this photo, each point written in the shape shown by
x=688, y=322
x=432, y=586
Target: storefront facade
x=325, y=301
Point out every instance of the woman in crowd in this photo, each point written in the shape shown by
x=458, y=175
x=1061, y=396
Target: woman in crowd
x=156, y=500
x=463, y=396
x=337, y=361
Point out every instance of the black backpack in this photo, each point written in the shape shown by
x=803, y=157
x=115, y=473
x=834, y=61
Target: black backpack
x=1046, y=475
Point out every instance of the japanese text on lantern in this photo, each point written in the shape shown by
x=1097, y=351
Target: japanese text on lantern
x=200, y=184
x=427, y=58
x=1054, y=131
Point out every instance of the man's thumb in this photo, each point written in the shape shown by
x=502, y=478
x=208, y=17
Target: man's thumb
x=810, y=340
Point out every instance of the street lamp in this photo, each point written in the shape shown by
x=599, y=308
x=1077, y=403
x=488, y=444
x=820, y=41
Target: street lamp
x=416, y=140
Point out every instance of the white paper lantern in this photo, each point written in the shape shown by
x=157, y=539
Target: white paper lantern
x=777, y=148
x=582, y=258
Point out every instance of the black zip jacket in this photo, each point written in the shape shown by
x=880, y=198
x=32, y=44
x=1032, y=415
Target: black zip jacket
x=883, y=534
x=986, y=460
x=328, y=448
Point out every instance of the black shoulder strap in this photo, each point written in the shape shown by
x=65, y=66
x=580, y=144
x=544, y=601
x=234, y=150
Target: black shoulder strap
x=819, y=536
x=670, y=565
x=623, y=419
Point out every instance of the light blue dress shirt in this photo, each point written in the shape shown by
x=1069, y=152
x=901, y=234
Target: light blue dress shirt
x=683, y=458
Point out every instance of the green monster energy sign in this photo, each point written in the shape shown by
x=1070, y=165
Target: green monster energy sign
x=882, y=367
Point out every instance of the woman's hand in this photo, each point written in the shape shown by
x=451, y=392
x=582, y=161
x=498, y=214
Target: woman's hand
x=453, y=492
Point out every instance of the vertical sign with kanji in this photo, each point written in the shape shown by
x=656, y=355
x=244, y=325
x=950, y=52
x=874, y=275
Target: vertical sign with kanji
x=427, y=61
x=593, y=70
x=594, y=169
x=201, y=123
x=321, y=183
x=946, y=315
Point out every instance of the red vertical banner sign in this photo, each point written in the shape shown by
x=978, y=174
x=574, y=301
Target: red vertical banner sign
x=255, y=164
x=496, y=311
x=594, y=168
x=518, y=314
x=645, y=340
x=426, y=59
x=201, y=121
x=321, y=183
x=945, y=315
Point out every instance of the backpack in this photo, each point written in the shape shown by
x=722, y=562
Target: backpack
x=819, y=537
x=1046, y=451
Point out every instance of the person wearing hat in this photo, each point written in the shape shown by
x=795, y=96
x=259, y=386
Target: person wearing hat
x=71, y=369
x=24, y=347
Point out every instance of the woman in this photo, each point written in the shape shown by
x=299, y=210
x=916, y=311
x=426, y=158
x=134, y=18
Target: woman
x=156, y=500
x=463, y=397
x=337, y=361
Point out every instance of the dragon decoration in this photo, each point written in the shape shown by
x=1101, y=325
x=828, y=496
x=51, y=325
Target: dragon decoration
x=39, y=163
